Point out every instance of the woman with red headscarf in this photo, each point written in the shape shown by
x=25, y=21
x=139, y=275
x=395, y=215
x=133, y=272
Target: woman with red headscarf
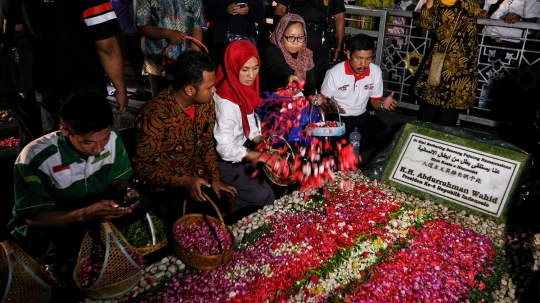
x=236, y=97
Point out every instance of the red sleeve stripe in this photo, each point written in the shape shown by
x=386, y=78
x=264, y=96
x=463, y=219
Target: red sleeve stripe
x=375, y=98
x=100, y=19
x=96, y=10
x=59, y=168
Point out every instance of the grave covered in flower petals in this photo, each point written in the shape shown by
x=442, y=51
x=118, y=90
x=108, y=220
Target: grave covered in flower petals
x=351, y=244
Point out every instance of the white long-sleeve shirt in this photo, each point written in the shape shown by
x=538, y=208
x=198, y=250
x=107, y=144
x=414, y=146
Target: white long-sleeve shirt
x=229, y=132
x=524, y=8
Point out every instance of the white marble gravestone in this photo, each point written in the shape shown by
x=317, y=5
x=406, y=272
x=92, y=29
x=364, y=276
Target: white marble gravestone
x=459, y=172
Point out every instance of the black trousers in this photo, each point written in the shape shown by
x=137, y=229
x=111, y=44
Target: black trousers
x=321, y=53
x=437, y=114
x=27, y=110
x=28, y=114
x=374, y=132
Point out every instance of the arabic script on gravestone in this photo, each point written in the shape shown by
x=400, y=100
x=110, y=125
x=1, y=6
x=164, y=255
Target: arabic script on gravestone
x=473, y=178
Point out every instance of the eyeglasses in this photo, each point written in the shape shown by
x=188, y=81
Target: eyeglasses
x=291, y=39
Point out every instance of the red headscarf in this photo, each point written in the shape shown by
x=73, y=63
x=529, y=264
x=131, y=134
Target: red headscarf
x=304, y=61
x=228, y=85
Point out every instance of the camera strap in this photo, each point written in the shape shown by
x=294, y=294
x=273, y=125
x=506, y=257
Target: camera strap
x=493, y=8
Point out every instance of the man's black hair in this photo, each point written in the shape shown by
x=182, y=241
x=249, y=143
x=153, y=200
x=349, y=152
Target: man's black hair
x=360, y=42
x=86, y=112
x=189, y=67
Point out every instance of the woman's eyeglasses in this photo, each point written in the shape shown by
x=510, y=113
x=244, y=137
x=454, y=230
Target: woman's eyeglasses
x=291, y=39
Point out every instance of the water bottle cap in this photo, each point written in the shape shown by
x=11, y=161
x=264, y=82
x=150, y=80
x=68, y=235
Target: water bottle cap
x=355, y=129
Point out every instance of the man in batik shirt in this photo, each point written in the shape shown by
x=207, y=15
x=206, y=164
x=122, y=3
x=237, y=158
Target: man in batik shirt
x=176, y=153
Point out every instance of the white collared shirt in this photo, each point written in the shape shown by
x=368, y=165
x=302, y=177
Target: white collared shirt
x=352, y=95
x=524, y=8
x=229, y=132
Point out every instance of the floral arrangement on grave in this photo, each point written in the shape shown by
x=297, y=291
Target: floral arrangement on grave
x=355, y=244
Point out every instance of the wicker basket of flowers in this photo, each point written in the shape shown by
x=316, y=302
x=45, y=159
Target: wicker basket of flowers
x=202, y=241
x=107, y=266
x=280, y=172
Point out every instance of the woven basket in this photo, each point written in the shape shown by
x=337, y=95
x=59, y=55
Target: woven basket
x=196, y=260
x=154, y=245
x=119, y=273
x=152, y=248
x=276, y=179
x=22, y=278
x=326, y=131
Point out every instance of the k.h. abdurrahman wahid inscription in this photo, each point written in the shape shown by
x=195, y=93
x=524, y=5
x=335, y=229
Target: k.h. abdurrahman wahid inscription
x=456, y=171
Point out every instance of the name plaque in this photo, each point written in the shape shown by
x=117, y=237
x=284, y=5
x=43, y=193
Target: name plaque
x=460, y=172
x=466, y=176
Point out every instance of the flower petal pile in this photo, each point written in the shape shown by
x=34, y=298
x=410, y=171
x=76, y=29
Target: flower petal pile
x=201, y=237
x=440, y=265
x=9, y=142
x=355, y=245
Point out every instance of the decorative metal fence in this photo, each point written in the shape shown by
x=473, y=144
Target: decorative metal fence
x=508, y=83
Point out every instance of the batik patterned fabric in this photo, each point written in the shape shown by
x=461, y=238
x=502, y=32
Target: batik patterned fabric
x=181, y=15
x=171, y=145
x=460, y=74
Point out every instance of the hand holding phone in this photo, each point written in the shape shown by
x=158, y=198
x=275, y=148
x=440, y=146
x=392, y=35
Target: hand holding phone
x=241, y=5
x=130, y=201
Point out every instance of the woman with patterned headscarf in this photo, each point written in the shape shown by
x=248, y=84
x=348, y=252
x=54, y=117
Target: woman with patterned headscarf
x=287, y=58
x=236, y=97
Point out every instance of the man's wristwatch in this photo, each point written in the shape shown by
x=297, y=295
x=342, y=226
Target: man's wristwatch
x=382, y=105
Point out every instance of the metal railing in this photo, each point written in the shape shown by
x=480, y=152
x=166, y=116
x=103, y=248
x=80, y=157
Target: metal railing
x=401, y=47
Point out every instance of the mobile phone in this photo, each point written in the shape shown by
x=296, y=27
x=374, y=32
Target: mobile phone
x=129, y=202
x=241, y=5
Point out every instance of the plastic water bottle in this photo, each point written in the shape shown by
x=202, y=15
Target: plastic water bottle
x=354, y=141
x=484, y=94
